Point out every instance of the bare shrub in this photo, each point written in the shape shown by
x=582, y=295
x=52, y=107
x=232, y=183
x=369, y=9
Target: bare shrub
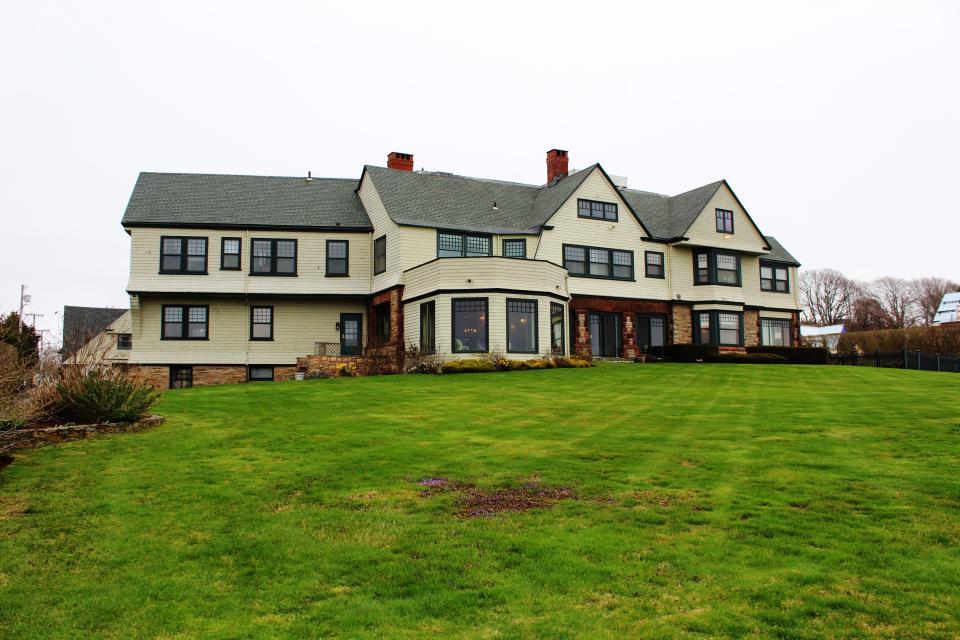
x=104, y=395
x=417, y=361
x=933, y=340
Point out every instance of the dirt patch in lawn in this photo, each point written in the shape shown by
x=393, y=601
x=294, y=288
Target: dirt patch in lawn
x=481, y=503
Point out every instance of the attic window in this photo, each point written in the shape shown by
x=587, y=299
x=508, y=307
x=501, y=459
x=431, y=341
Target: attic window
x=724, y=221
x=597, y=210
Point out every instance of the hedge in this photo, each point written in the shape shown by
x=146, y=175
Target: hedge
x=944, y=341
x=746, y=358
x=689, y=352
x=470, y=365
x=796, y=355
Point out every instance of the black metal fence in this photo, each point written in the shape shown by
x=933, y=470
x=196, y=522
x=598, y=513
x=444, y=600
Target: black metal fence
x=898, y=360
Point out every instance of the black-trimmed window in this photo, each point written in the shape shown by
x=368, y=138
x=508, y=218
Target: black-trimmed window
x=428, y=327
x=774, y=277
x=380, y=255
x=653, y=263
x=724, y=328
x=261, y=323
x=185, y=322
x=258, y=373
x=515, y=248
x=597, y=210
x=124, y=341
x=230, y=254
x=711, y=266
x=598, y=262
x=181, y=377
x=522, y=333
x=456, y=244
x=272, y=257
x=775, y=332
x=470, y=325
x=556, y=328
x=724, y=221
x=183, y=254
x=338, y=258
x=381, y=313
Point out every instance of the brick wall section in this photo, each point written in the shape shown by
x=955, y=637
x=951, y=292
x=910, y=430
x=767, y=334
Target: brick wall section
x=206, y=374
x=390, y=352
x=158, y=377
x=582, y=306
x=795, y=330
x=682, y=324
x=751, y=328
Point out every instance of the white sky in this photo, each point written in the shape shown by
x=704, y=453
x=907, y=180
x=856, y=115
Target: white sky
x=837, y=123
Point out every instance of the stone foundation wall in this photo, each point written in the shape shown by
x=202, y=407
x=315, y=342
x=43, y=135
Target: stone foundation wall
x=214, y=374
x=327, y=365
x=33, y=438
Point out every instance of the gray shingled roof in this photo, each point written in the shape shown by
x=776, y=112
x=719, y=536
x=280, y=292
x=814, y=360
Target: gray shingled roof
x=777, y=252
x=80, y=324
x=670, y=216
x=444, y=200
x=184, y=199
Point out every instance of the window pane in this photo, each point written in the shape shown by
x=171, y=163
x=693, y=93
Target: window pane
x=766, y=272
x=231, y=261
x=610, y=211
x=196, y=263
x=261, y=331
x=262, y=314
x=337, y=265
x=729, y=328
x=599, y=262
x=704, y=320
x=197, y=246
x=171, y=263
x=231, y=245
x=521, y=324
x=514, y=248
x=449, y=245
x=657, y=331
x=286, y=248
x=622, y=264
x=337, y=249
x=197, y=322
x=262, y=254
x=286, y=265
x=172, y=330
x=173, y=314
x=596, y=210
x=470, y=325
x=574, y=259
x=427, y=327
x=171, y=246
x=583, y=208
x=556, y=327
x=261, y=373
x=478, y=246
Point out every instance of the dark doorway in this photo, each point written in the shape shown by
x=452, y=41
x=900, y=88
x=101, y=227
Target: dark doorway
x=350, y=326
x=651, y=334
x=605, y=336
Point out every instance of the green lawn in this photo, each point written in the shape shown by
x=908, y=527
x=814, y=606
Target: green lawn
x=712, y=501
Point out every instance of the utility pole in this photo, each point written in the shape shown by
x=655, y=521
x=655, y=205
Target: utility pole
x=24, y=300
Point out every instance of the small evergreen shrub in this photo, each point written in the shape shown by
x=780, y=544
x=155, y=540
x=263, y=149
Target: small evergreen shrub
x=572, y=362
x=99, y=396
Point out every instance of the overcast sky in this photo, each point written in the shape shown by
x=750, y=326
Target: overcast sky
x=836, y=123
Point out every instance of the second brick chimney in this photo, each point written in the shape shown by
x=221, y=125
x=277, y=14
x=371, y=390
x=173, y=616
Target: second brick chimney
x=401, y=161
x=556, y=164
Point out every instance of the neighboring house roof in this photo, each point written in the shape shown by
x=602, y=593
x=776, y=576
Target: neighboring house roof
x=809, y=331
x=204, y=200
x=80, y=324
x=949, y=309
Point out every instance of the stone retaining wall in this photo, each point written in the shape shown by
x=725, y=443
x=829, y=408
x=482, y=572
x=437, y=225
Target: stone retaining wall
x=33, y=438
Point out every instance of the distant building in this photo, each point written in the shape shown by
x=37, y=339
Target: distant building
x=81, y=325
x=828, y=336
x=947, y=312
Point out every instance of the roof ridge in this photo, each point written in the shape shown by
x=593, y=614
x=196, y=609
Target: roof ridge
x=447, y=174
x=241, y=175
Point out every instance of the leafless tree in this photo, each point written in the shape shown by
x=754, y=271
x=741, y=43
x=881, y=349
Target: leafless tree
x=825, y=296
x=895, y=296
x=927, y=294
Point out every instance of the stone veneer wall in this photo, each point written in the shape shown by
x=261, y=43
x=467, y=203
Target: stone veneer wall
x=751, y=328
x=682, y=324
x=327, y=365
x=33, y=438
x=203, y=374
x=583, y=305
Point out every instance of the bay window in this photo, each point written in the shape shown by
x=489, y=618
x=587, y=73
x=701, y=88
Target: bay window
x=723, y=328
x=775, y=332
x=711, y=266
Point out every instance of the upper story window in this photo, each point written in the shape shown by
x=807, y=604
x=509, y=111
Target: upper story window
x=124, y=341
x=230, y=254
x=185, y=322
x=597, y=210
x=380, y=255
x=724, y=221
x=716, y=267
x=453, y=244
x=338, y=258
x=654, y=264
x=774, y=277
x=515, y=248
x=273, y=257
x=182, y=254
x=597, y=262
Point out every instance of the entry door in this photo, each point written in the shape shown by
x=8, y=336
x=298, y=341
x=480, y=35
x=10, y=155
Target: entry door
x=351, y=324
x=650, y=334
x=605, y=338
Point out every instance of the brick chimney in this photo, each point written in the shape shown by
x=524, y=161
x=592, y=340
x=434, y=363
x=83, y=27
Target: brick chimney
x=556, y=164
x=400, y=161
